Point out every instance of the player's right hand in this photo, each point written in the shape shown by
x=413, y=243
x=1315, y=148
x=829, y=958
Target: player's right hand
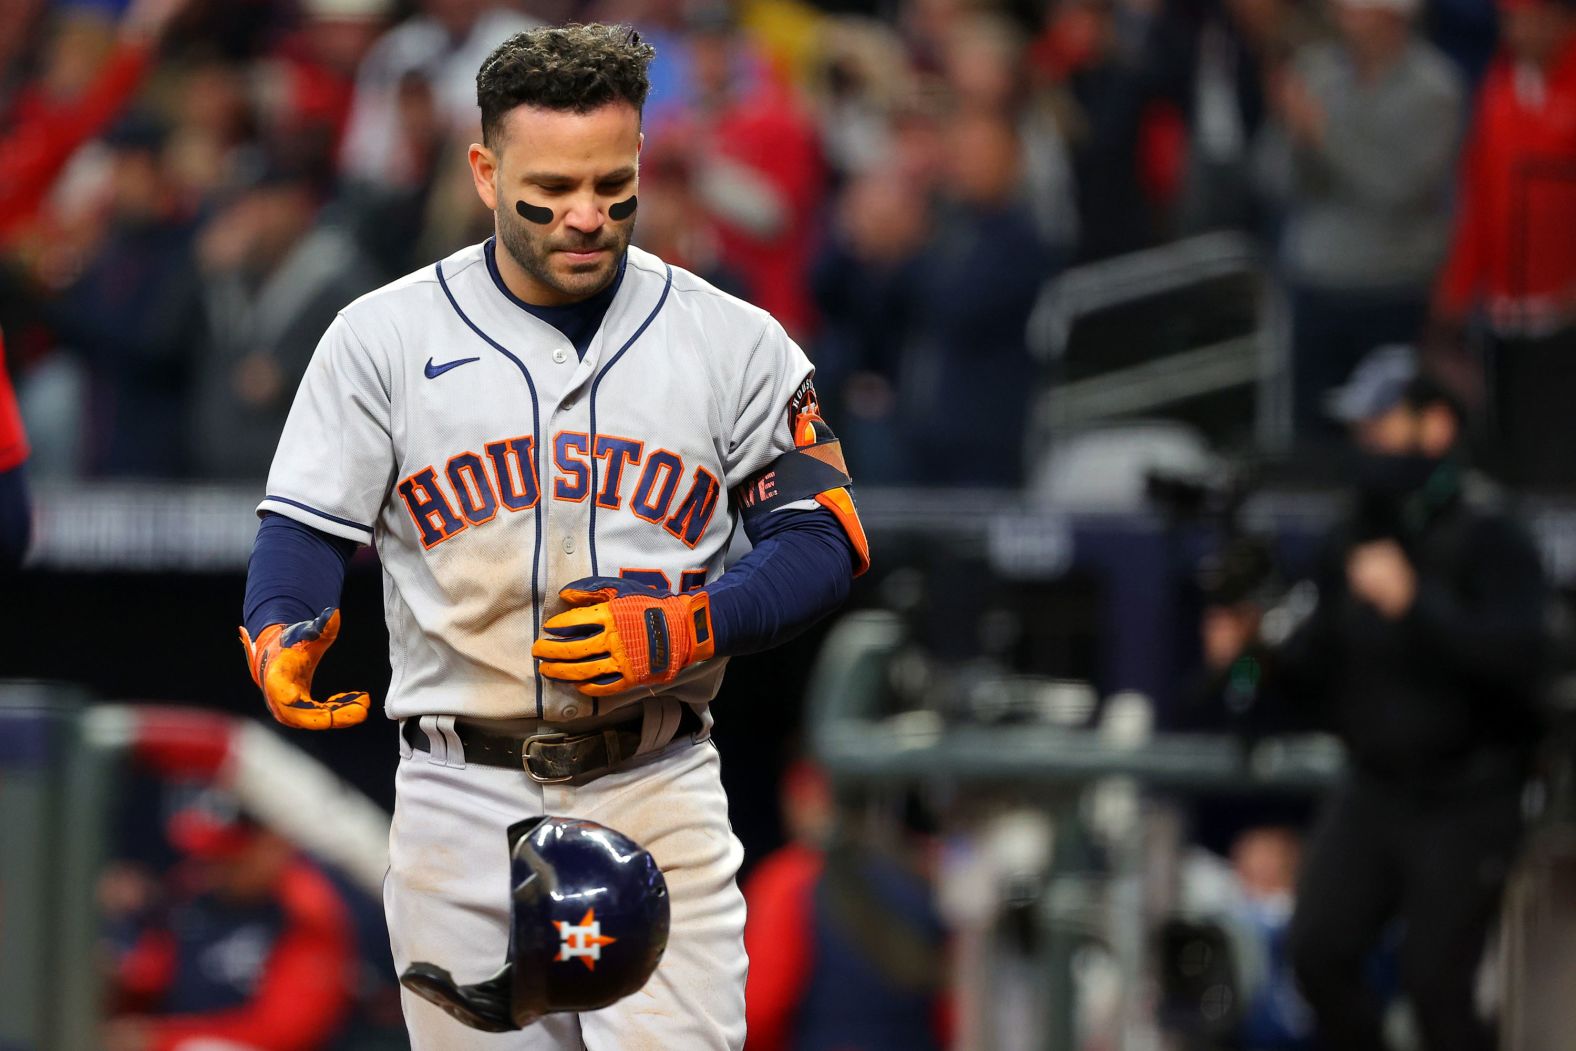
x=283, y=659
x=617, y=635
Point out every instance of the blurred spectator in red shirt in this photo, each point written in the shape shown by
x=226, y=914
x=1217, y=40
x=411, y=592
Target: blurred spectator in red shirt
x=311, y=75
x=1514, y=259
x=254, y=945
x=90, y=73
x=756, y=169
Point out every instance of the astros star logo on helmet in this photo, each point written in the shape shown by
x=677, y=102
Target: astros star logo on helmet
x=583, y=940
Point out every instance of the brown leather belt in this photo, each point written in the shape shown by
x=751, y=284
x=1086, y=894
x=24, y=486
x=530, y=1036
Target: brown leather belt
x=553, y=757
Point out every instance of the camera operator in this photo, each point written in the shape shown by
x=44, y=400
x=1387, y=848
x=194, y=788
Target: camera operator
x=1424, y=652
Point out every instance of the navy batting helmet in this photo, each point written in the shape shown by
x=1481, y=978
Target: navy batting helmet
x=590, y=922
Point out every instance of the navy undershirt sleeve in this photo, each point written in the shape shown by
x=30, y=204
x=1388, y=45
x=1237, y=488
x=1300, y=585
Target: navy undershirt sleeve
x=295, y=573
x=800, y=570
x=16, y=518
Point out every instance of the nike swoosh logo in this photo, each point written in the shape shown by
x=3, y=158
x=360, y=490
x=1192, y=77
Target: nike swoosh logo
x=434, y=371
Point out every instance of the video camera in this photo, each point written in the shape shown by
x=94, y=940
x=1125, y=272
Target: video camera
x=1241, y=566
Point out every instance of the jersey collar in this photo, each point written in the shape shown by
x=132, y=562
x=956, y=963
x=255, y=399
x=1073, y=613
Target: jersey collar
x=599, y=301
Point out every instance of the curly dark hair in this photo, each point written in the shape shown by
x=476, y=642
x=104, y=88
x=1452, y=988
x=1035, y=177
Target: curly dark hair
x=574, y=67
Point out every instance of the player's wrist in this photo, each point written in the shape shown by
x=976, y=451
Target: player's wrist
x=696, y=608
x=690, y=636
x=680, y=636
x=258, y=648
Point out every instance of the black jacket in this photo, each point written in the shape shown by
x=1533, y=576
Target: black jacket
x=1448, y=693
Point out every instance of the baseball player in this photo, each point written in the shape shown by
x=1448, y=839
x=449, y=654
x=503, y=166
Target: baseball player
x=550, y=437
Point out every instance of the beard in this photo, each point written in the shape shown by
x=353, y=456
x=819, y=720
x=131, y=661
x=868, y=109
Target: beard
x=538, y=255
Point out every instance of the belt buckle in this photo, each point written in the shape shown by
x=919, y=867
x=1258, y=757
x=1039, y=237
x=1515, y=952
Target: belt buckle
x=527, y=754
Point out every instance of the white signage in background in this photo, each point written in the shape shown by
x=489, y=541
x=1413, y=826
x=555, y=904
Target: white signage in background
x=197, y=527
x=147, y=528
x=1555, y=534
x=1030, y=546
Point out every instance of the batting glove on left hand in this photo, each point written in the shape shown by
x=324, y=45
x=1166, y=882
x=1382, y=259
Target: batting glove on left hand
x=283, y=659
x=618, y=635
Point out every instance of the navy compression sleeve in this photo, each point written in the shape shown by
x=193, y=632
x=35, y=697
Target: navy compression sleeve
x=295, y=573
x=16, y=518
x=800, y=570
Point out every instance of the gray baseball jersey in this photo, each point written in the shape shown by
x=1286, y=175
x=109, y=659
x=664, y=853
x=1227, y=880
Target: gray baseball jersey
x=491, y=466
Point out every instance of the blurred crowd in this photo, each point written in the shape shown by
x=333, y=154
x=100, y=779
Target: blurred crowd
x=189, y=190
x=218, y=931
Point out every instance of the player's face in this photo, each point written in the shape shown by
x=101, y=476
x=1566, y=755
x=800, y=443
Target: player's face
x=562, y=187
x=1392, y=433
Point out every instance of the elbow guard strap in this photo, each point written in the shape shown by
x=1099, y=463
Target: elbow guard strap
x=813, y=470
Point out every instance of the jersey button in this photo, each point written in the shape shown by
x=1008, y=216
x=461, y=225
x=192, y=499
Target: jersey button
x=571, y=711
x=569, y=545
x=559, y=356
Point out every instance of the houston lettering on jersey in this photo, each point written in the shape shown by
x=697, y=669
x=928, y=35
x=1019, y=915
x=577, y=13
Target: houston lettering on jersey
x=470, y=489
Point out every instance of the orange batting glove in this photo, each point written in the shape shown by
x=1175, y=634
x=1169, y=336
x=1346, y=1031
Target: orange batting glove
x=618, y=635
x=283, y=659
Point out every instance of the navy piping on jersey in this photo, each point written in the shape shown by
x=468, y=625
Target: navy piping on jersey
x=321, y=514
x=536, y=436
x=596, y=702
x=586, y=314
x=600, y=376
